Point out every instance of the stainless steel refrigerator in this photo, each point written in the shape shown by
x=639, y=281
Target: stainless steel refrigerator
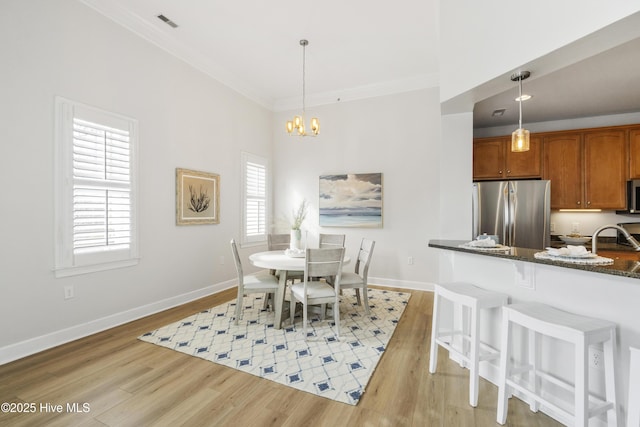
x=518, y=212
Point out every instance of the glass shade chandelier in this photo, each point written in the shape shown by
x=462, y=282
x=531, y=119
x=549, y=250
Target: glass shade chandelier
x=520, y=136
x=296, y=127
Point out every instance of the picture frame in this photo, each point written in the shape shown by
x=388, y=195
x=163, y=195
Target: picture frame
x=197, y=197
x=351, y=200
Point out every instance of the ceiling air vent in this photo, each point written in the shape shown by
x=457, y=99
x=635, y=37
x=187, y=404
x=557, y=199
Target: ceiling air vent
x=498, y=113
x=167, y=21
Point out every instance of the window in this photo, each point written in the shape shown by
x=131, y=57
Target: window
x=95, y=189
x=254, y=196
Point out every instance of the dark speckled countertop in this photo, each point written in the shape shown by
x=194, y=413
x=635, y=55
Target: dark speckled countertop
x=620, y=267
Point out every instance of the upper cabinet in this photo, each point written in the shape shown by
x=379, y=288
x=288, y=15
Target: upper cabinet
x=493, y=159
x=634, y=152
x=563, y=167
x=605, y=169
x=587, y=169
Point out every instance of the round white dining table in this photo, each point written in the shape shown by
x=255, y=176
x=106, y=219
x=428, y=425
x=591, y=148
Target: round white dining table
x=283, y=263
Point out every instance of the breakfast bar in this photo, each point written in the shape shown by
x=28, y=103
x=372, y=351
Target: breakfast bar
x=609, y=292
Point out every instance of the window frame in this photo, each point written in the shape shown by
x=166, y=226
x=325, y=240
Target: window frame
x=260, y=239
x=68, y=263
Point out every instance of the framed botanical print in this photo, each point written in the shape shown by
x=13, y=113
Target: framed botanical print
x=197, y=197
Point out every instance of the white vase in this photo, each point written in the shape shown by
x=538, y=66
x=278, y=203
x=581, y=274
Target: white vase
x=294, y=243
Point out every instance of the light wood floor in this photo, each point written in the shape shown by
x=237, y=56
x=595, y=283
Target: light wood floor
x=127, y=382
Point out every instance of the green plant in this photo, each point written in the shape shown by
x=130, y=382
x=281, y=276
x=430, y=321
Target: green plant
x=300, y=215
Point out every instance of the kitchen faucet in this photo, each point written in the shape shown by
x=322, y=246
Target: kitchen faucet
x=625, y=233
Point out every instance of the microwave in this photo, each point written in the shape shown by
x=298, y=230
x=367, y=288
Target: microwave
x=632, y=228
x=633, y=197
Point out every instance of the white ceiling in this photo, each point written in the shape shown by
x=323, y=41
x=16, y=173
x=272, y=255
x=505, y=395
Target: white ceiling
x=357, y=48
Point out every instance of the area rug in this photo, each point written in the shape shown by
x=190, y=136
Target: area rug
x=337, y=369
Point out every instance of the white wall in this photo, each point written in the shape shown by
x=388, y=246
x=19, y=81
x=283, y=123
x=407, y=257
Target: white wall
x=186, y=119
x=398, y=135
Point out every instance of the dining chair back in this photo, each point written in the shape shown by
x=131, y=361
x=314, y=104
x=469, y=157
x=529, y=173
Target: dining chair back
x=359, y=279
x=319, y=263
x=278, y=242
x=262, y=282
x=331, y=241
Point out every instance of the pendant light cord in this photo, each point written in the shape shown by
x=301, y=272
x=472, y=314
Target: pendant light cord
x=520, y=102
x=304, y=56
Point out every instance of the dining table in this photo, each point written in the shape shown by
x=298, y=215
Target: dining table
x=284, y=262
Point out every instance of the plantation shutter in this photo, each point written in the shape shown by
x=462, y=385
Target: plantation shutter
x=256, y=194
x=102, y=214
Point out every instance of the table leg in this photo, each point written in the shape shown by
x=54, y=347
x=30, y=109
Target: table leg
x=279, y=304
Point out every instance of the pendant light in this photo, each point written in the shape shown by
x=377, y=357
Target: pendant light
x=296, y=127
x=520, y=136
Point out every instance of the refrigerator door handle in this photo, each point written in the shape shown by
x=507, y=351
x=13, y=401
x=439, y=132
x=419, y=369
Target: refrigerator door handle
x=513, y=200
x=506, y=224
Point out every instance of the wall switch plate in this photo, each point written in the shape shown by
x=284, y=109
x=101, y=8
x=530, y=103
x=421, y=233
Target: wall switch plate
x=552, y=227
x=410, y=260
x=221, y=260
x=575, y=227
x=69, y=292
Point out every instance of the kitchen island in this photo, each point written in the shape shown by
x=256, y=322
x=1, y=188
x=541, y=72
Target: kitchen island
x=620, y=267
x=610, y=292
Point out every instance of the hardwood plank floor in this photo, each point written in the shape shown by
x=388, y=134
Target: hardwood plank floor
x=127, y=382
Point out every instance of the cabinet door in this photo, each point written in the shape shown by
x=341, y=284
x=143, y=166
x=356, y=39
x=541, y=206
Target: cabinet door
x=527, y=164
x=488, y=159
x=562, y=165
x=605, y=169
x=634, y=153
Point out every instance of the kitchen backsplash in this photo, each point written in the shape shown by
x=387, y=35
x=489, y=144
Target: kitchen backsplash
x=587, y=222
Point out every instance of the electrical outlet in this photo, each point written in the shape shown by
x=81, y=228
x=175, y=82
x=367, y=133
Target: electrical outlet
x=596, y=358
x=552, y=227
x=575, y=227
x=410, y=260
x=69, y=292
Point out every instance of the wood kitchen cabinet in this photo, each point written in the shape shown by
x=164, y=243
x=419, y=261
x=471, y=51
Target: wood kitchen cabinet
x=493, y=159
x=588, y=170
x=634, y=153
x=562, y=165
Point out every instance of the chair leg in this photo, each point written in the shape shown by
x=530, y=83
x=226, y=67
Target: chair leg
x=609, y=348
x=435, y=323
x=358, y=296
x=304, y=319
x=582, y=385
x=336, y=317
x=365, y=296
x=534, y=361
x=238, y=305
x=292, y=309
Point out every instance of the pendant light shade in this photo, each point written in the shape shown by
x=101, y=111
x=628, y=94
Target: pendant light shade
x=296, y=127
x=520, y=136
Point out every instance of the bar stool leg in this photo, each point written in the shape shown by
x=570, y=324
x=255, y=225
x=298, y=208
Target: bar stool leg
x=609, y=347
x=503, y=404
x=534, y=360
x=435, y=325
x=474, y=357
x=581, y=384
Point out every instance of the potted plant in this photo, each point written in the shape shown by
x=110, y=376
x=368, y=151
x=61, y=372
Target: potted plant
x=298, y=219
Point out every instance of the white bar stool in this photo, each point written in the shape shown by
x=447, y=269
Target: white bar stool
x=633, y=405
x=578, y=330
x=475, y=299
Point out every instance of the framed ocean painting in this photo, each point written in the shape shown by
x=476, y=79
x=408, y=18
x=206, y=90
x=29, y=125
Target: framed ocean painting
x=351, y=200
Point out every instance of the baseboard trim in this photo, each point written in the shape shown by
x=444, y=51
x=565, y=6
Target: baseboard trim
x=35, y=345
x=405, y=284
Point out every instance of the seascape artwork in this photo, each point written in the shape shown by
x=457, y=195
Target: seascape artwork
x=351, y=200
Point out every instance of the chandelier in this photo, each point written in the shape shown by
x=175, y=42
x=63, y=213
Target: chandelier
x=296, y=127
x=520, y=136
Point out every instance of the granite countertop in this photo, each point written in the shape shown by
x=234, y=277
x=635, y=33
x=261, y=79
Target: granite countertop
x=620, y=267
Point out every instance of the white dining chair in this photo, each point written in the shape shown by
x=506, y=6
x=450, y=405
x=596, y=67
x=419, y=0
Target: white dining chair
x=262, y=282
x=278, y=242
x=319, y=263
x=327, y=241
x=359, y=278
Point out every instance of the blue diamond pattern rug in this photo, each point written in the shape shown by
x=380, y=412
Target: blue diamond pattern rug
x=322, y=365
